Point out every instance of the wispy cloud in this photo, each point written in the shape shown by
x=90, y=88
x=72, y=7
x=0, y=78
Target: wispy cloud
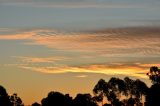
x=40, y=59
x=71, y=4
x=25, y=35
x=135, y=70
x=82, y=3
x=81, y=76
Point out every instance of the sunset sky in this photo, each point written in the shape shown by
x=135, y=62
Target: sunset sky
x=68, y=45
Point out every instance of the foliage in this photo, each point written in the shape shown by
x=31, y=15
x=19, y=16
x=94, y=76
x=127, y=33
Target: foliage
x=115, y=88
x=84, y=100
x=154, y=75
x=15, y=100
x=36, y=104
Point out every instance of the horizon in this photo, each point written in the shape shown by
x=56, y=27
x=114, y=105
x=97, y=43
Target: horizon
x=68, y=45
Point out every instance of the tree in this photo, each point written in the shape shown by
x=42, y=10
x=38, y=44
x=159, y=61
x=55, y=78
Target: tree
x=84, y=100
x=4, y=97
x=100, y=90
x=107, y=104
x=154, y=75
x=115, y=88
x=129, y=86
x=153, y=94
x=136, y=89
x=56, y=99
x=35, y=104
x=140, y=88
x=15, y=100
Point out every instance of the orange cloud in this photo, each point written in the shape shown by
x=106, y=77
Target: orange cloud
x=81, y=76
x=123, y=41
x=25, y=35
x=123, y=69
x=41, y=59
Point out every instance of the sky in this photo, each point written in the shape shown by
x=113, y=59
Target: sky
x=68, y=45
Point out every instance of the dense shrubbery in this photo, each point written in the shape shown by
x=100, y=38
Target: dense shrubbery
x=118, y=92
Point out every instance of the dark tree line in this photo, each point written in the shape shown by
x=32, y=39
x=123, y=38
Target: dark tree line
x=117, y=92
x=59, y=99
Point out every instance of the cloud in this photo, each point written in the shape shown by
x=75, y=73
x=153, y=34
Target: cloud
x=72, y=4
x=81, y=76
x=149, y=4
x=119, y=42
x=14, y=35
x=111, y=42
x=83, y=5
x=135, y=41
x=40, y=59
x=135, y=70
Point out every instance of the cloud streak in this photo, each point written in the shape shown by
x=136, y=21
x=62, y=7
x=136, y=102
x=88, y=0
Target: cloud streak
x=72, y=4
x=135, y=70
x=82, y=3
x=40, y=59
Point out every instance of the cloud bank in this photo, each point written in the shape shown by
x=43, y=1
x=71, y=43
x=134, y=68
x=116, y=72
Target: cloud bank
x=133, y=42
x=141, y=41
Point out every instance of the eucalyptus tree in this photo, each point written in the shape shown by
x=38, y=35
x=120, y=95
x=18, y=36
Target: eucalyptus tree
x=15, y=100
x=120, y=92
x=154, y=75
x=153, y=94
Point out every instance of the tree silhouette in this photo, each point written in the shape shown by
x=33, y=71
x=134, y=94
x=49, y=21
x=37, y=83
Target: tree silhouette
x=117, y=86
x=98, y=98
x=68, y=100
x=154, y=75
x=4, y=98
x=35, y=104
x=131, y=101
x=84, y=100
x=15, y=100
x=153, y=94
x=115, y=89
x=107, y=104
x=100, y=90
x=56, y=99
x=140, y=88
x=130, y=91
x=153, y=97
